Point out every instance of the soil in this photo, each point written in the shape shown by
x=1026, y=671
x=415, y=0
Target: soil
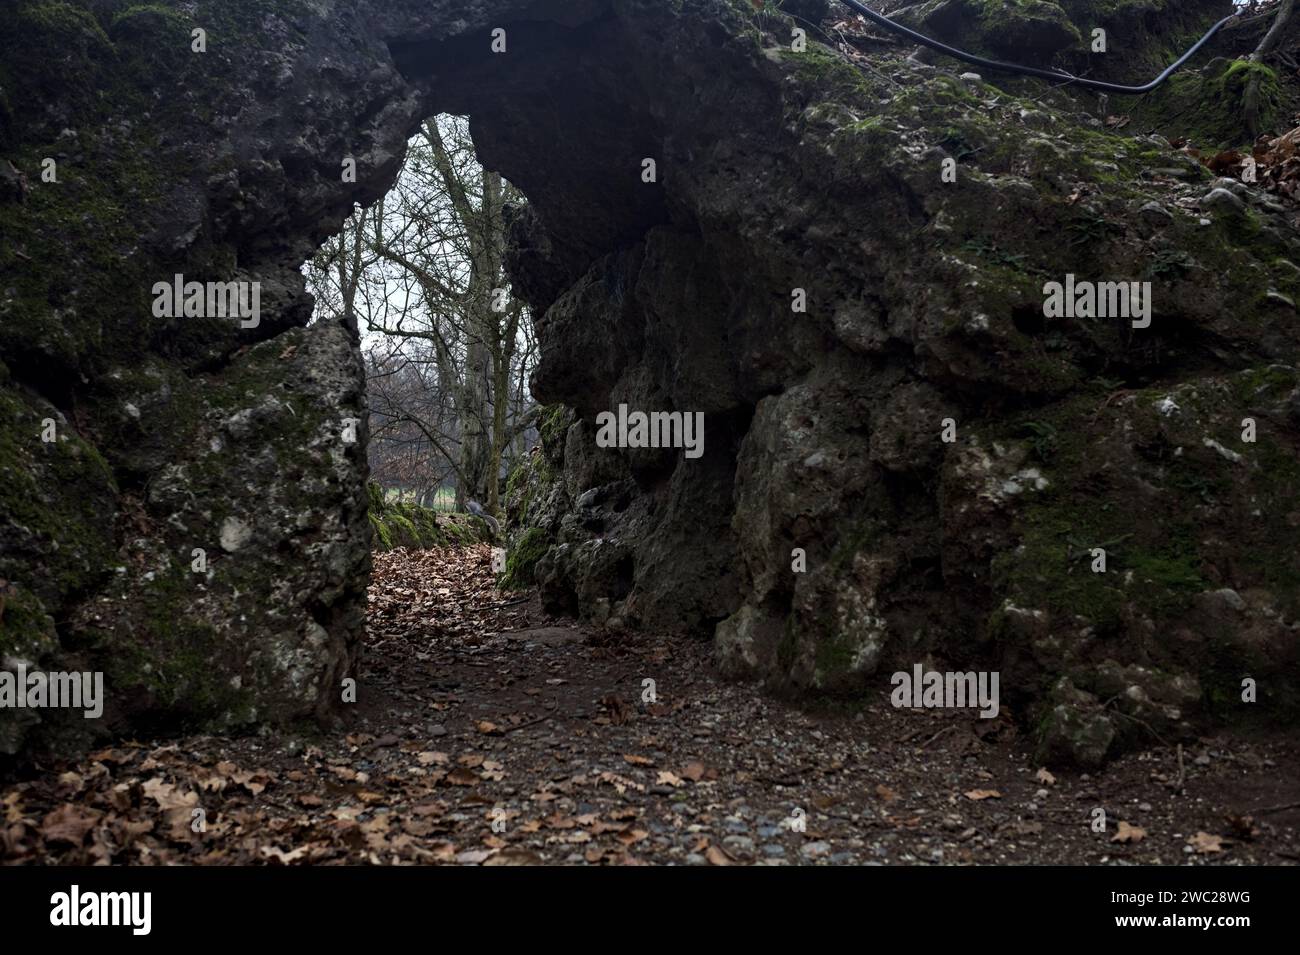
x=486, y=732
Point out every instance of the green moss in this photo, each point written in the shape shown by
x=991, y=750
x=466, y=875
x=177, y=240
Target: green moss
x=411, y=525
x=170, y=658
x=56, y=502
x=834, y=656
x=82, y=224
x=519, y=485
x=522, y=560
x=404, y=525
x=1207, y=107
x=555, y=422
x=143, y=15
x=375, y=498
x=831, y=77
x=1270, y=381
x=1246, y=66
x=1153, y=565
x=26, y=630
x=382, y=533
x=151, y=39
x=50, y=27
x=1009, y=24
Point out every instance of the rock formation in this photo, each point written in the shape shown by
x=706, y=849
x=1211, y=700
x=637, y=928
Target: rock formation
x=775, y=170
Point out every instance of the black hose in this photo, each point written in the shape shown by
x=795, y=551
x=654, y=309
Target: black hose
x=1057, y=75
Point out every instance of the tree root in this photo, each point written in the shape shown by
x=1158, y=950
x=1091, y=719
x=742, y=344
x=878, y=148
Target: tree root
x=1250, y=97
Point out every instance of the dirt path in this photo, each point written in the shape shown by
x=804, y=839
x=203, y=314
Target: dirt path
x=485, y=732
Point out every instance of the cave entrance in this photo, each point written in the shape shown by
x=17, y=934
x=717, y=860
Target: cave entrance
x=528, y=168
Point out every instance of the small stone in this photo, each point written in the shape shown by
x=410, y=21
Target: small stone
x=1222, y=201
x=972, y=78
x=1167, y=406
x=1154, y=214
x=773, y=850
x=739, y=843
x=235, y=534
x=1232, y=185
x=1230, y=597
x=814, y=850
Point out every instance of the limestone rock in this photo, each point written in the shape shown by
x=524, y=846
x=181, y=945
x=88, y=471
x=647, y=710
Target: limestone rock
x=829, y=530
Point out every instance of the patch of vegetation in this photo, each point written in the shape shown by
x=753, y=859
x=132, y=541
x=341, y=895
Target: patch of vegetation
x=521, y=562
x=57, y=499
x=1206, y=107
x=26, y=630
x=404, y=524
x=555, y=421
x=1042, y=439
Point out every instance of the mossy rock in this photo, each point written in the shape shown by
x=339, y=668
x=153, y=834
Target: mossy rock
x=375, y=498
x=521, y=562
x=1033, y=30
x=26, y=629
x=383, y=539
x=1207, y=107
x=555, y=421
x=162, y=32
x=413, y=526
x=57, y=502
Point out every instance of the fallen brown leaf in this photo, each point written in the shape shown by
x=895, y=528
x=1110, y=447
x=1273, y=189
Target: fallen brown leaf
x=694, y=772
x=1128, y=833
x=70, y=823
x=717, y=857
x=1204, y=843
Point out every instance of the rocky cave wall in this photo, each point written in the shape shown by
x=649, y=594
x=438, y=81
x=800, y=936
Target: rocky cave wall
x=776, y=170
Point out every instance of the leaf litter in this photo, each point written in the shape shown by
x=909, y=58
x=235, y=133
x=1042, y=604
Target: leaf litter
x=489, y=733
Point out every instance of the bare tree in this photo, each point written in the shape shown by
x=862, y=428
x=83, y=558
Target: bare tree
x=448, y=348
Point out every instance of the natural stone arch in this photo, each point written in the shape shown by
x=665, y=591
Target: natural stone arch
x=777, y=171
x=219, y=439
